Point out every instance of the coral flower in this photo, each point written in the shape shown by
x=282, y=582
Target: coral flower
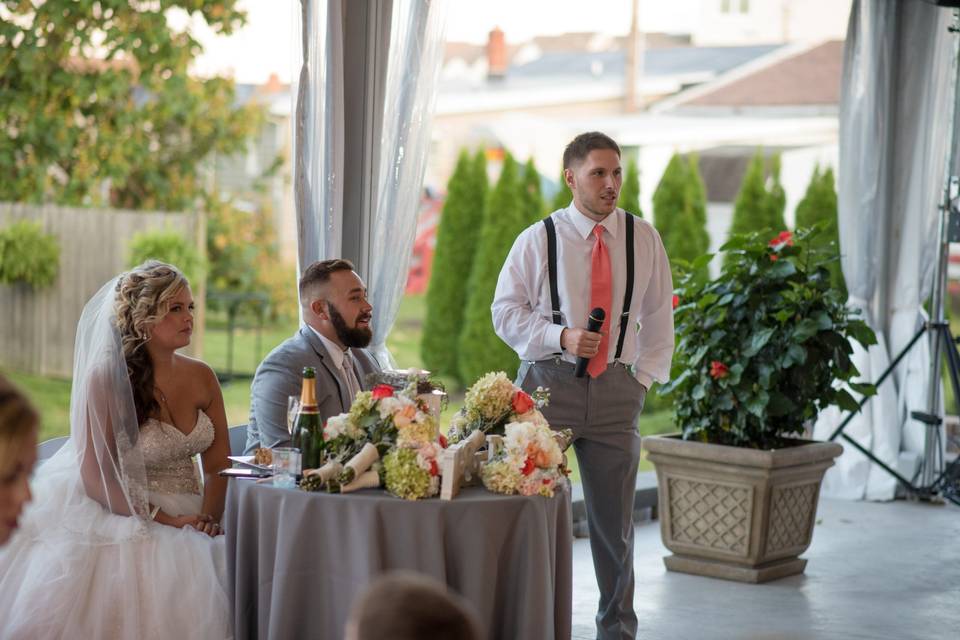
x=522, y=403
x=382, y=391
x=718, y=370
x=774, y=257
x=784, y=237
x=676, y=300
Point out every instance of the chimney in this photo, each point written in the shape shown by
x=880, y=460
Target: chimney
x=496, y=55
x=273, y=84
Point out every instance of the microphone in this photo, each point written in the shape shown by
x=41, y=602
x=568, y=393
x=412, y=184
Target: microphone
x=594, y=322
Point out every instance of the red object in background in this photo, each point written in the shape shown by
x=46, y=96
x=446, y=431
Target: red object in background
x=424, y=243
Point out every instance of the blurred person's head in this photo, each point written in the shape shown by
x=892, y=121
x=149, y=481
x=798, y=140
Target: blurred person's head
x=154, y=309
x=408, y=606
x=19, y=423
x=334, y=301
x=591, y=168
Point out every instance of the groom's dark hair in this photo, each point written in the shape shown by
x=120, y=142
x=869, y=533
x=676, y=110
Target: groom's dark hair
x=319, y=274
x=403, y=605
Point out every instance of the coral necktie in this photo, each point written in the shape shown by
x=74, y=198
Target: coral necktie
x=601, y=286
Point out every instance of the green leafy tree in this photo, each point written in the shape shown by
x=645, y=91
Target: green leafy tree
x=698, y=201
x=532, y=198
x=819, y=207
x=563, y=197
x=669, y=197
x=759, y=207
x=630, y=192
x=28, y=255
x=98, y=108
x=481, y=351
x=457, y=236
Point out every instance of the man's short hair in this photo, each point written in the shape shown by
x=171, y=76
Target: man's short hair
x=403, y=605
x=581, y=146
x=319, y=274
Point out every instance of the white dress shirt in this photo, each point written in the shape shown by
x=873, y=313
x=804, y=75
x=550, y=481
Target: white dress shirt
x=344, y=362
x=522, y=311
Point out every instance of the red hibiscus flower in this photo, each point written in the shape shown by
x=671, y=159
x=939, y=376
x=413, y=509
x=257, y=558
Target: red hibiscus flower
x=443, y=441
x=382, y=391
x=434, y=469
x=522, y=403
x=676, y=300
x=528, y=466
x=784, y=237
x=718, y=370
x=774, y=257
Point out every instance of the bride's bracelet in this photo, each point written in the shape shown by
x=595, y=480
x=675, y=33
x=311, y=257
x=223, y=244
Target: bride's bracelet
x=154, y=512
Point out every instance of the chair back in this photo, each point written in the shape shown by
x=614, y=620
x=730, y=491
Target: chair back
x=47, y=448
x=238, y=439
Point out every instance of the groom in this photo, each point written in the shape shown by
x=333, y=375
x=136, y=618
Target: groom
x=336, y=329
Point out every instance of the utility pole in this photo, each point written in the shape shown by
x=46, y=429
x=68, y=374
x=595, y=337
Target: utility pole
x=634, y=67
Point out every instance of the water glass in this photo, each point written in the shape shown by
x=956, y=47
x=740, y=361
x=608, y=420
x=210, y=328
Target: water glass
x=293, y=408
x=286, y=467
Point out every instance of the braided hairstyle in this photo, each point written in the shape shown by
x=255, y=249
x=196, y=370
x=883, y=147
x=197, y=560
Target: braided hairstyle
x=143, y=299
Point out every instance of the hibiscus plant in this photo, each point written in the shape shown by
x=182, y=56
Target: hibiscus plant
x=765, y=346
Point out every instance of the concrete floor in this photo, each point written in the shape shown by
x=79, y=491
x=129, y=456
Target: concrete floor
x=876, y=571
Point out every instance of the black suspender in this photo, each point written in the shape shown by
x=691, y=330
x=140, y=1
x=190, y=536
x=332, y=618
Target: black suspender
x=552, y=264
x=628, y=291
x=555, y=289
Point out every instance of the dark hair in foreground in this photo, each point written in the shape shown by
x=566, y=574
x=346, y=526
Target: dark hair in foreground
x=18, y=419
x=581, y=146
x=318, y=273
x=407, y=606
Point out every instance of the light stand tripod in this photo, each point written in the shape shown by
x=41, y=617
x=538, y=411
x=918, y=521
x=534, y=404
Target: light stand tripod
x=946, y=483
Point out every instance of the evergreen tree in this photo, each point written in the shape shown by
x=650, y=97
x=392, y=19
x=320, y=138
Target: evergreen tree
x=480, y=349
x=819, y=205
x=698, y=201
x=457, y=237
x=776, y=198
x=533, y=205
x=750, y=208
x=680, y=210
x=563, y=197
x=669, y=198
x=630, y=192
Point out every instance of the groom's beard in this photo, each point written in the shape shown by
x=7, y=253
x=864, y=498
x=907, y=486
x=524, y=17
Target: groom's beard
x=354, y=337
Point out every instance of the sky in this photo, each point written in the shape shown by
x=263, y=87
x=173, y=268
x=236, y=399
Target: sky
x=265, y=44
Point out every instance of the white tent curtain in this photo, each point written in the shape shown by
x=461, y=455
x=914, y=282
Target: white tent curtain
x=400, y=122
x=894, y=130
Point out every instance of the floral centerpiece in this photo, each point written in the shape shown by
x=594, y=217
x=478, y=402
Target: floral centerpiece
x=379, y=423
x=494, y=401
x=529, y=462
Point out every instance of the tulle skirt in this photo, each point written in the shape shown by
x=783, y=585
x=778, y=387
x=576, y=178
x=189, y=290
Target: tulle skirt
x=74, y=570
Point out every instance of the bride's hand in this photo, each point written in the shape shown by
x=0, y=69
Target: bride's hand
x=209, y=526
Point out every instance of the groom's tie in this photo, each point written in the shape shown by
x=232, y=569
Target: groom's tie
x=601, y=294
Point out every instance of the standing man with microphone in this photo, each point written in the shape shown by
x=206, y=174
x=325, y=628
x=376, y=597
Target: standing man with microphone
x=587, y=258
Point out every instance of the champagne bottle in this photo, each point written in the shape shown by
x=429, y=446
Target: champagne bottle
x=307, y=430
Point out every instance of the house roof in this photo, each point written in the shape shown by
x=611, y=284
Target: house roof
x=809, y=78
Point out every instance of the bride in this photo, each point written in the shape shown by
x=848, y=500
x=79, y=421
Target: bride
x=121, y=540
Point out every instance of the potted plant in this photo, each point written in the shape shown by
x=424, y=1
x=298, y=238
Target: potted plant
x=761, y=350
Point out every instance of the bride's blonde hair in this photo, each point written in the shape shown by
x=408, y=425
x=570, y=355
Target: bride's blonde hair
x=143, y=299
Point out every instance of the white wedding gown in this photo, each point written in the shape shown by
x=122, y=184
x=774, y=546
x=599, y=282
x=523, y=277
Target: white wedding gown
x=75, y=570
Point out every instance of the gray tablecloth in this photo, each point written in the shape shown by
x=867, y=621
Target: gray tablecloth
x=296, y=560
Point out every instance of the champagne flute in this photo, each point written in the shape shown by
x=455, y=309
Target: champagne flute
x=293, y=408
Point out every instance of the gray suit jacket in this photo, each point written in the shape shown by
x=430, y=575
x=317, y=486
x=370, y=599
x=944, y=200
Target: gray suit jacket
x=280, y=376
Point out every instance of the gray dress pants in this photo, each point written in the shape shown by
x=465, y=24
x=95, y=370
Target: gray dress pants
x=603, y=414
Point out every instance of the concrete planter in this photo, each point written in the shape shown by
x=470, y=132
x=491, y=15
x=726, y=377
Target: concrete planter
x=738, y=514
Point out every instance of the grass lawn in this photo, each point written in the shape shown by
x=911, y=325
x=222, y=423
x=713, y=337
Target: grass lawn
x=52, y=396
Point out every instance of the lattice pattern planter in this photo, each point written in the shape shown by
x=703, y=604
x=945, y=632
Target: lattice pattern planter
x=734, y=513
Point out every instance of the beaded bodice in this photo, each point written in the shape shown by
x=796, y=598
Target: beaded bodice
x=168, y=454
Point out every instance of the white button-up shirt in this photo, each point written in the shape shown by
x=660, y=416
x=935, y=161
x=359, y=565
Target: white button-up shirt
x=522, y=311
x=344, y=362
